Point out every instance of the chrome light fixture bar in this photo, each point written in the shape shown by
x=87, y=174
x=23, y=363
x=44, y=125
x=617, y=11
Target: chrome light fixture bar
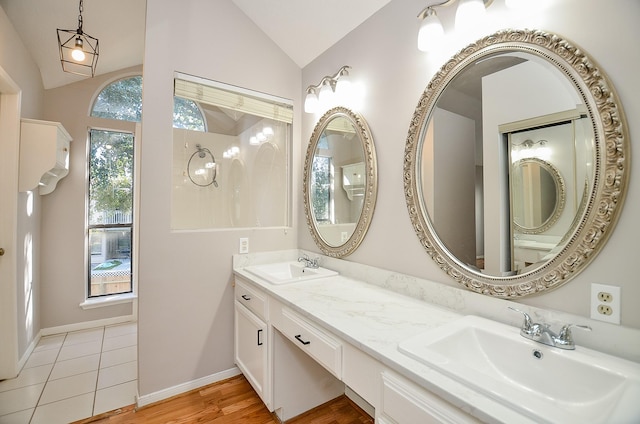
x=78, y=50
x=321, y=95
x=431, y=31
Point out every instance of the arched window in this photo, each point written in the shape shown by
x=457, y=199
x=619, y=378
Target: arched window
x=110, y=215
x=122, y=100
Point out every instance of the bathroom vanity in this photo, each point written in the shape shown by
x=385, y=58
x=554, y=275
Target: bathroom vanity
x=303, y=343
x=352, y=343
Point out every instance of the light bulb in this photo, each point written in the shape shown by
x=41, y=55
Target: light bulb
x=253, y=140
x=469, y=13
x=326, y=95
x=311, y=102
x=431, y=31
x=77, y=54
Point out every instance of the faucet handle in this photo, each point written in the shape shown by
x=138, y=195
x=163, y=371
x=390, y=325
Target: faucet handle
x=565, y=332
x=527, y=324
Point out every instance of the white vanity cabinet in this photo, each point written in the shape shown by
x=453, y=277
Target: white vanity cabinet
x=44, y=155
x=295, y=364
x=252, y=339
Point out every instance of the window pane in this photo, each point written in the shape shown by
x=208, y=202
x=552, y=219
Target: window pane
x=110, y=261
x=321, y=188
x=110, y=178
x=187, y=115
x=121, y=100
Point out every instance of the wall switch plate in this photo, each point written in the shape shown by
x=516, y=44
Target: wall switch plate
x=244, y=245
x=605, y=303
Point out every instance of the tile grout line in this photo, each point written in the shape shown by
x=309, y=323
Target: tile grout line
x=48, y=377
x=95, y=391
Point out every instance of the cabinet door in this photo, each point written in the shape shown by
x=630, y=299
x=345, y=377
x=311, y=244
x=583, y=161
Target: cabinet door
x=403, y=402
x=251, y=351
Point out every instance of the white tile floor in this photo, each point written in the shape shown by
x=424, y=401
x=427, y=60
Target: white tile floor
x=73, y=376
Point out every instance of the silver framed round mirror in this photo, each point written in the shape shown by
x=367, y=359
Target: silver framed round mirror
x=340, y=182
x=523, y=97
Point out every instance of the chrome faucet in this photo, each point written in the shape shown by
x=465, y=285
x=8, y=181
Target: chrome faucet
x=541, y=333
x=308, y=262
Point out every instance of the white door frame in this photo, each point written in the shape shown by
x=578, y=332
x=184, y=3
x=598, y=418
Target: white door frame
x=10, y=96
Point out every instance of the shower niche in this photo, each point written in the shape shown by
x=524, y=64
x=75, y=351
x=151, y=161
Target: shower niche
x=231, y=168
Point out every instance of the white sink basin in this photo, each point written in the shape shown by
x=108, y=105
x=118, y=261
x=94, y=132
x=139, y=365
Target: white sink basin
x=288, y=272
x=561, y=386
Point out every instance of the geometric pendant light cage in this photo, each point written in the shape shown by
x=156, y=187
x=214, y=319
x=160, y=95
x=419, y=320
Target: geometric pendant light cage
x=78, y=50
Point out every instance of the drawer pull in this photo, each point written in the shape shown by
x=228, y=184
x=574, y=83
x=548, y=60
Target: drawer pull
x=259, y=341
x=299, y=338
x=245, y=297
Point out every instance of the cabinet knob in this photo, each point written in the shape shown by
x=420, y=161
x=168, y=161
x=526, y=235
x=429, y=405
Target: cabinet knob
x=1, y=251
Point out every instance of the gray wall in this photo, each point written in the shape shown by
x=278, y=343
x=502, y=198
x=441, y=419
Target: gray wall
x=383, y=55
x=186, y=308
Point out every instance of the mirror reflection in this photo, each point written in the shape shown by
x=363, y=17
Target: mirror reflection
x=505, y=159
x=537, y=191
x=487, y=117
x=339, y=181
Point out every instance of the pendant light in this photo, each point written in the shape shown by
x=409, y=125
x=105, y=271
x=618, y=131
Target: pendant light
x=78, y=50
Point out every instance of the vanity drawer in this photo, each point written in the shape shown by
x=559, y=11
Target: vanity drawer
x=325, y=349
x=252, y=298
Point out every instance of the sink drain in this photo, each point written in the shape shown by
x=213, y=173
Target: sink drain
x=537, y=354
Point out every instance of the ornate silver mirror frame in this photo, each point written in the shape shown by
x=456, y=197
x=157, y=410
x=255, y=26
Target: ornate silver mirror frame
x=366, y=194
x=603, y=199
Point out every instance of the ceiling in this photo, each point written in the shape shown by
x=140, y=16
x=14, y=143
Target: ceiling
x=119, y=26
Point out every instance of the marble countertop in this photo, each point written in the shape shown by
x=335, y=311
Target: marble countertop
x=376, y=320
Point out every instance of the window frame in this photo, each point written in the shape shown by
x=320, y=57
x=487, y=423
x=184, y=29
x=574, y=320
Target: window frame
x=132, y=226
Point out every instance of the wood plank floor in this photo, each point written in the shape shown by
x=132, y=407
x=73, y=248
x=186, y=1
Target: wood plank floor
x=226, y=402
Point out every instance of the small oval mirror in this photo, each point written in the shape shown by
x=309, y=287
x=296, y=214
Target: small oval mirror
x=340, y=182
x=537, y=195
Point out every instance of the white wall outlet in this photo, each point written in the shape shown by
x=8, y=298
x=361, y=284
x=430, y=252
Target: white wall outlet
x=243, y=245
x=605, y=303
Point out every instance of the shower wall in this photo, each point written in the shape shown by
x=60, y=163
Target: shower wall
x=253, y=179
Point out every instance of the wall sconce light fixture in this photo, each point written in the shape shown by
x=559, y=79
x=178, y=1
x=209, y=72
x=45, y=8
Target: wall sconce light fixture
x=78, y=50
x=431, y=31
x=529, y=149
x=322, y=95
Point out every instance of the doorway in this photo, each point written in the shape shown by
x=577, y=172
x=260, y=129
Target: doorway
x=9, y=154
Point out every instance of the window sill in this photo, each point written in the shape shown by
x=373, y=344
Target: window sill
x=117, y=299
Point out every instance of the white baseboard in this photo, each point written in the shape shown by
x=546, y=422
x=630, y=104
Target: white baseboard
x=145, y=400
x=86, y=325
x=29, y=351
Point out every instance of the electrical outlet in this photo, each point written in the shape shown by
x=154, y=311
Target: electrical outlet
x=604, y=310
x=605, y=303
x=244, y=245
x=605, y=297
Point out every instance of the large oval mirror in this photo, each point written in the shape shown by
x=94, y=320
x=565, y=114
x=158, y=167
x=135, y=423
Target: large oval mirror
x=516, y=163
x=340, y=181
